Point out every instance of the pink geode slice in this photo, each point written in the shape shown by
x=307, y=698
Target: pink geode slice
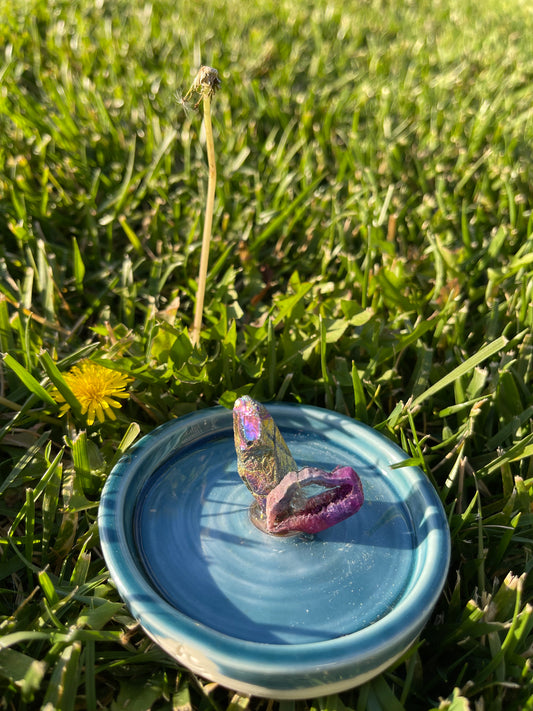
x=335, y=496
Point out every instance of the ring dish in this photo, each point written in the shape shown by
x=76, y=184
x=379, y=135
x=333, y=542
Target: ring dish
x=279, y=617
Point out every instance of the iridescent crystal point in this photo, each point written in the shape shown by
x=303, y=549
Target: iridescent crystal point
x=263, y=458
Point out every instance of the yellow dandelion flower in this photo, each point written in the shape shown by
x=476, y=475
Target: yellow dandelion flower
x=96, y=388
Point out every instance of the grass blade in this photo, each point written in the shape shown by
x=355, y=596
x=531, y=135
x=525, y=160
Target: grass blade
x=29, y=381
x=59, y=381
x=486, y=352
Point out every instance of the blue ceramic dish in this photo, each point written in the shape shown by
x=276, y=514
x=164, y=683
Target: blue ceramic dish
x=293, y=617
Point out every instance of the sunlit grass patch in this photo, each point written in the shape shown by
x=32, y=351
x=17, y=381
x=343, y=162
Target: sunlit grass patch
x=371, y=253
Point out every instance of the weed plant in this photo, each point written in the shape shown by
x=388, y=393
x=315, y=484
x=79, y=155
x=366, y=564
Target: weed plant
x=372, y=253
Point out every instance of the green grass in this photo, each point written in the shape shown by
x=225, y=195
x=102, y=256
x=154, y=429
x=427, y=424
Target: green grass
x=372, y=253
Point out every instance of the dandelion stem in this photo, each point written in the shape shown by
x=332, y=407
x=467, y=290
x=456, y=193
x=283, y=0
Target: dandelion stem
x=208, y=222
x=206, y=82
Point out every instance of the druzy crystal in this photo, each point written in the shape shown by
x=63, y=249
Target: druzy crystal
x=287, y=499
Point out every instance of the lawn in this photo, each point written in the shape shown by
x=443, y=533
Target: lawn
x=372, y=253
